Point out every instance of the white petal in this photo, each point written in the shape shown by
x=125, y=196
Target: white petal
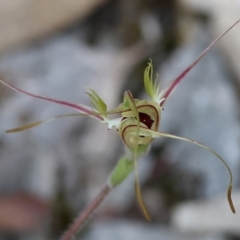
x=113, y=122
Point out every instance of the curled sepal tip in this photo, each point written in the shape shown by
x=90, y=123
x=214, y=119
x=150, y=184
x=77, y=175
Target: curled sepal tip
x=229, y=196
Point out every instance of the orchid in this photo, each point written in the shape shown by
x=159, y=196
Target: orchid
x=137, y=125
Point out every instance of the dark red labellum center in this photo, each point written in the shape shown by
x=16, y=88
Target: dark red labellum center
x=145, y=119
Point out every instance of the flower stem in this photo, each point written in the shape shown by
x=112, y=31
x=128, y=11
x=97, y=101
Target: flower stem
x=85, y=214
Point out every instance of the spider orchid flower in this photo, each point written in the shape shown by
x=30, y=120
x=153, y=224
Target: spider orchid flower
x=137, y=126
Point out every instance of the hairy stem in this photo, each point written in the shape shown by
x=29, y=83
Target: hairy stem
x=85, y=214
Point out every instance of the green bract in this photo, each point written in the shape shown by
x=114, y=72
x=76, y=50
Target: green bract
x=151, y=87
x=97, y=102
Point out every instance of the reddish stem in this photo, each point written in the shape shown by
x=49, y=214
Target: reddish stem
x=185, y=72
x=85, y=214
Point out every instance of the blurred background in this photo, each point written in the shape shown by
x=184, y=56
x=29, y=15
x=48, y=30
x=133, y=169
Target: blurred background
x=48, y=174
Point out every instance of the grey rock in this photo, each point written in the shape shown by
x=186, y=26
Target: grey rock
x=210, y=216
x=130, y=230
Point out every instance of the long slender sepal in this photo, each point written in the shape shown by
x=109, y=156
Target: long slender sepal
x=34, y=124
x=229, y=192
x=175, y=82
x=78, y=107
x=138, y=192
x=130, y=101
x=155, y=134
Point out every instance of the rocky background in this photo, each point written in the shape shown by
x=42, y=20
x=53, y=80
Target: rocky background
x=48, y=174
